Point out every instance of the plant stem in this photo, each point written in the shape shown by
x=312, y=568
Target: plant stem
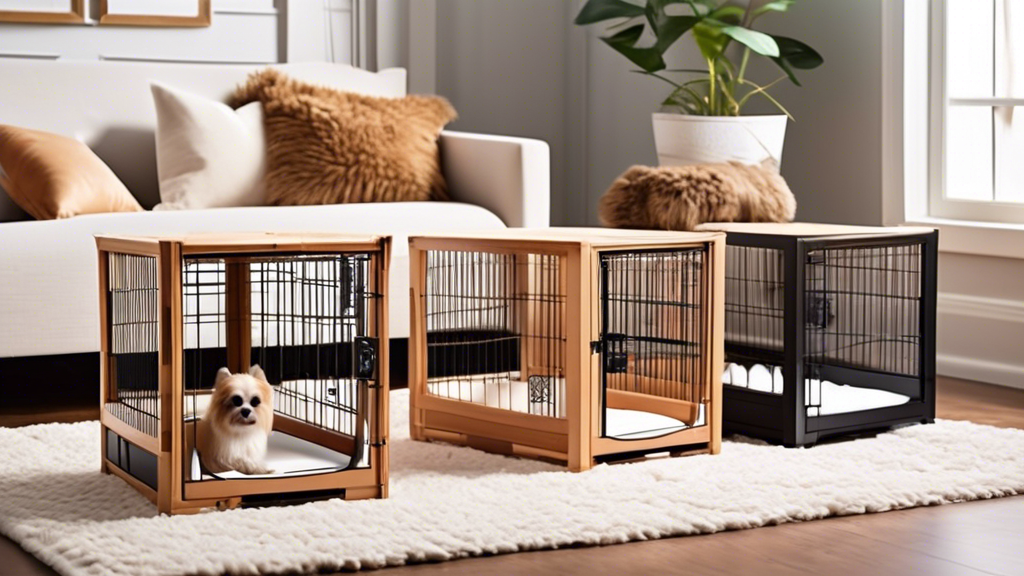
x=743, y=65
x=659, y=77
x=711, y=87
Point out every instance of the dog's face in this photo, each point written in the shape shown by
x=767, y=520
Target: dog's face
x=242, y=402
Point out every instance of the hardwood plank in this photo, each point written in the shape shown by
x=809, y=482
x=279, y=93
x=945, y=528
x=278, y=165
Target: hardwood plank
x=64, y=414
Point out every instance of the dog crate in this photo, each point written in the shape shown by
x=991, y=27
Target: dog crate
x=573, y=345
x=311, y=310
x=829, y=329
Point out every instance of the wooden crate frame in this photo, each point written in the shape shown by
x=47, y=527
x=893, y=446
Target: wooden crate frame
x=575, y=440
x=173, y=495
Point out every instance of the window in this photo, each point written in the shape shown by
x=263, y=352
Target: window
x=964, y=99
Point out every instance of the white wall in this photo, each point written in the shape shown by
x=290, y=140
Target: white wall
x=242, y=31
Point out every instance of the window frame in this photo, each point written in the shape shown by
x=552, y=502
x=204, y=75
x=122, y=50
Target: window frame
x=938, y=204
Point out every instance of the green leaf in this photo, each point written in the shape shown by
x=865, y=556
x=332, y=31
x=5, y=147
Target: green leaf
x=667, y=29
x=710, y=40
x=649, y=59
x=759, y=42
x=729, y=14
x=776, y=6
x=601, y=10
x=798, y=54
x=671, y=28
x=787, y=69
x=795, y=54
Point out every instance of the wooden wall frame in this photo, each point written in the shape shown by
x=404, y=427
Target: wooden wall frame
x=75, y=15
x=203, y=17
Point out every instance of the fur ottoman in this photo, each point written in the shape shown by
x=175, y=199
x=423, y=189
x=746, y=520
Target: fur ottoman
x=682, y=197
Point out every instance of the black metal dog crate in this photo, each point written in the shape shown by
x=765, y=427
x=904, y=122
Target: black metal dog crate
x=829, y=329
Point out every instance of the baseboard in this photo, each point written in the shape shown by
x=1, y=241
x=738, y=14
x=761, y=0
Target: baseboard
x=980, y=307
x=1010, y=375
x=985, y=346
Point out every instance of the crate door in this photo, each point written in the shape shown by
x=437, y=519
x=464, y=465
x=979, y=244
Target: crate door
x=652, y=342
x=310, y=322
x=863, y=317
x=315, y=322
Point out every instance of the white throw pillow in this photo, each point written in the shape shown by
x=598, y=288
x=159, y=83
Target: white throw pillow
x=208, y=155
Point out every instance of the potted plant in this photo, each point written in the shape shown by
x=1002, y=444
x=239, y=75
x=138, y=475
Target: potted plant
x=702, y=119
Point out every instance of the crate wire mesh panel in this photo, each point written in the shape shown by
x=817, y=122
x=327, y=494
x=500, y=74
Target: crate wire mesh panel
x=654, y=331
x=836, y=320
x=133, y=311
x=307, y=325
x=572, y=345
x=863, y=307
x=310, y=310
x=495, y=330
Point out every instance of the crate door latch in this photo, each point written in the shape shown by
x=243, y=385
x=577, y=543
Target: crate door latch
x=616, y=358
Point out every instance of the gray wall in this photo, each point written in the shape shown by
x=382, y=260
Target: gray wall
x=502, y=63
x=520, y=67
x=833, y=154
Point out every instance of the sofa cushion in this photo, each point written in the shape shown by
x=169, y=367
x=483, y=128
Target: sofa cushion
x=53, y=176
x=207, y=155
x=325, y=146
x=49, y=269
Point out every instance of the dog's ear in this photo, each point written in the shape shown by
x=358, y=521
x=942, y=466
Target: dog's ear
x=256, y=372
x=222, y=375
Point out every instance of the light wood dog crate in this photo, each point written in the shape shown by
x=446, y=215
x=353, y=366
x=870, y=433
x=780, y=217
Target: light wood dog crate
x=310, y=309
x=574, y=345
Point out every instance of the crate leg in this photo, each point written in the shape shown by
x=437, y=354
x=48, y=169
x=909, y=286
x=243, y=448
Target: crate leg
x=363, y=493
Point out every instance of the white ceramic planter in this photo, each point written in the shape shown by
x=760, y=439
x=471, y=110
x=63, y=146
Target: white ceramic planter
x=681, y=139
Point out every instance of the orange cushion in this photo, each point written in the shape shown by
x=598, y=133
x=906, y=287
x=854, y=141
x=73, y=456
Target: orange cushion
x=52, y=176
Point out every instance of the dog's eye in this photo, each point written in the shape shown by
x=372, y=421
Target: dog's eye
x=255, y=401
x=237, y=400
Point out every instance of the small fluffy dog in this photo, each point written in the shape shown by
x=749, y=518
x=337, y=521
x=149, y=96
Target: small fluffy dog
x=682, y=197
x=233, y=433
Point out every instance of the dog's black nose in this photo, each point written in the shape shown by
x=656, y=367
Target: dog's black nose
x=245, y=412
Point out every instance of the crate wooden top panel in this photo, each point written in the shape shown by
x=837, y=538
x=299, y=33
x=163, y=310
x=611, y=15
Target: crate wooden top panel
x=249, y=242
x=809, y=229
x=596, y=237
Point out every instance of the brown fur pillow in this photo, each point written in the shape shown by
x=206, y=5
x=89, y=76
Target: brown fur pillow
x=325, y=146
x=682, y=197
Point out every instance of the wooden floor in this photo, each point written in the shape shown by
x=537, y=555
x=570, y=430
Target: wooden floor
x=972, y=538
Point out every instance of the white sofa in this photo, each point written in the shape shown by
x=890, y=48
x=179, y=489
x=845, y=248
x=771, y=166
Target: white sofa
x=48, y=284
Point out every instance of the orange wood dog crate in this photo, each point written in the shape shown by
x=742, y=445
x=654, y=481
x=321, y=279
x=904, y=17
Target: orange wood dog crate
x=574, y=345
x=310, y=309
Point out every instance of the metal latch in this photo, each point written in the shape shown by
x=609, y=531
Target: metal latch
x=616, y=357
x=366, y=358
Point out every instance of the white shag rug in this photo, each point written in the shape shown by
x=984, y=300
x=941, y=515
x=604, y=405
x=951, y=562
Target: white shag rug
x=449, y=502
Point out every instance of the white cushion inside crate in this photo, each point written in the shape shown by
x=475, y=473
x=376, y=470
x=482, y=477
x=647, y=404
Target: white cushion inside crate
x=834, y=398
x=498, y=392
x=287, y=455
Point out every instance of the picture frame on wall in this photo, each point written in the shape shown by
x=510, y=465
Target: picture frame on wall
x=43, y=11
x=167, y=13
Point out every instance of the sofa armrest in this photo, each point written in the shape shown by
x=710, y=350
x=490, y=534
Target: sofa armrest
x=509, y=176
